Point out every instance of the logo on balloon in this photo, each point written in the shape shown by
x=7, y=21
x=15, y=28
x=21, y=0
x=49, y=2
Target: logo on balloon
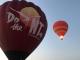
x=31, y=20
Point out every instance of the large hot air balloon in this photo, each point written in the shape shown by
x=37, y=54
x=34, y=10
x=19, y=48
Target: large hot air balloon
x=23, y=26
x=60, y=28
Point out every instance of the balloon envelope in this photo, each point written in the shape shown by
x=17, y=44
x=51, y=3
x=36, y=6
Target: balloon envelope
x=23, y=27
x=60, y=28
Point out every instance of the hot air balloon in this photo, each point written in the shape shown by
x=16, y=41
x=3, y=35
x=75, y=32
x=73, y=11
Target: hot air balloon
x=23, y=27
x=60, y=28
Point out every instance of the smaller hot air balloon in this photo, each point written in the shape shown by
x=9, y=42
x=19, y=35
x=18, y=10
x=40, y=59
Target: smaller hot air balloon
x=60, y=28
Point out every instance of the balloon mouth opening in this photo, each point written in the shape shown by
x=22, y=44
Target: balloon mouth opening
x=61, y=37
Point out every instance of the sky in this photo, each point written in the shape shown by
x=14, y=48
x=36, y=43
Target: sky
x=52, y=48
